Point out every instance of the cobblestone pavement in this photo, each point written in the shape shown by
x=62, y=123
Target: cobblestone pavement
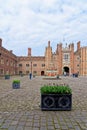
x=20, y=108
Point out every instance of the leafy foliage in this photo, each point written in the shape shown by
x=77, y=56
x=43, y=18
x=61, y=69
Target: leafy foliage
x=16, y=81
x=55, y=89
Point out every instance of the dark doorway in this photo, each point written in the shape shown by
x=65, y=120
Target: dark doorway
x=42, y=73
x=20, y=72
x=66, y=71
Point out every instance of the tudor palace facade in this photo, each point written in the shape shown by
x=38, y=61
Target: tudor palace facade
x=63, y=60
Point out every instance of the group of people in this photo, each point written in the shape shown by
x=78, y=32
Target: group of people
x=74, y=74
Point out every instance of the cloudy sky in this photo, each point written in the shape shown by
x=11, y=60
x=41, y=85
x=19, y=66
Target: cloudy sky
x=32, y=23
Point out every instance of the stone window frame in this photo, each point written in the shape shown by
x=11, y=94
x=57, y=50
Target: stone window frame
x=34, y=72
x=27, y=65
x=27, y=72
x=2, y=60
x=66, y=57
x=1, y=71
x=43, y=65
x=20, y=65
x=34, y=65
x=7, y=62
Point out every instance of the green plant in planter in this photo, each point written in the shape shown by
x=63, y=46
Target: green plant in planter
x=56, y=97
x=16, y=84
x=55, y=89
x=16, y=81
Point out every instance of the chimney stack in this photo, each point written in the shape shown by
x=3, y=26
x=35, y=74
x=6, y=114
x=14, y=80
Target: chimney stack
x=78, y=45
x=71, y=46
x=0, y=42
x=29, y=51
x=48, y=43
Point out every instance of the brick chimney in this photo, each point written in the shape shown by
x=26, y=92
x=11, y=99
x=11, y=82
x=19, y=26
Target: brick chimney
x=71, y=46
x=78, y=45
x=59, y=46
x=48, y=43
x=0, y=42
x=29, y=51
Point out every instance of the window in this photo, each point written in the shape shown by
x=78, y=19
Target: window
x=2, y=61
x=14, y=65
x=20, y=65
x=43, y=65
x=27, y=72
x=66, y=57
x=1, y=71
x=34, y=65
x=7, y=62
x=11, y=63
x=34, y=72
x=27, y=65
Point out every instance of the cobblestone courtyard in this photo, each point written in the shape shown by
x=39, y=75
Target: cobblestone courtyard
x=20, y=108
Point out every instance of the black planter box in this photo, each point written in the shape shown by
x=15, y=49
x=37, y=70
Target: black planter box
x=56, y=101
x=7, y=76
x=16, y=85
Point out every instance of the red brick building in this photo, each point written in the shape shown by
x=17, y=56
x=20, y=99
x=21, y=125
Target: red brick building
x=62, y=61
x=8, y=61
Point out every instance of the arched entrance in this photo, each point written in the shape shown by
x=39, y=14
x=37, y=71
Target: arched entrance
x=66, y=70
x=42, y=73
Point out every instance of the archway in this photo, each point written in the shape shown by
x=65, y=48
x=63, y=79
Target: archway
x=66, y=70
x=42, y=73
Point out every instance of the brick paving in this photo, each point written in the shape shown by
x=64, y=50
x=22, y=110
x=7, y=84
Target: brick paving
x=20, y=108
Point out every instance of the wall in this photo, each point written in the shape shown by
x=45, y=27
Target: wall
x=8, y=62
